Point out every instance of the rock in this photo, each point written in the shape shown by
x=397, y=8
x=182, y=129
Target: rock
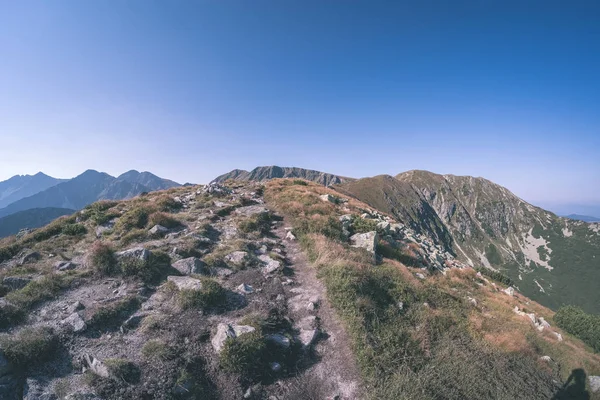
x=328, y=197
x=185, y=282
x=307, y=337
x=367, y=241
x=136, y=253
x=35, y=389
x=16, y=282
x=558, y=336
x=158, y=230
x=215, y=188
x=290, y=236
x=237, y=258
x=95, y=366
x=29, y=256
x=383, y=226
x=245, y=289
x=270, y=264
x=420, y=275
x=275, y=366
x=190, y=265
x=543, y=323
x=65, y=265
x=279, y=340
x=594, y=383
x=225, y=331
x=76, y=306
x=472, y=301
x=75, y=322
x=509, y=291
x=251, y=210
x=545, y=358
x=221, y=272
x=135, y=320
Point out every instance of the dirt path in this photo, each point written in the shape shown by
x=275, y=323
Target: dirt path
x=336, y=371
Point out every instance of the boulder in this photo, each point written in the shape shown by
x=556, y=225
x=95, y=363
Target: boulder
x=226, y=331
x=36, y=389
x=65, y=265
x=29, y=256
x=237, y=258
x=367, y=241
x=185, y=282
x=16, y=282
x=545, y=358
x=279, y=340
x=594, y=383
x=558, y=336
x=251, y=210
x=420, y=275
x=307, y=337
x=158, y=230
x=75, y=322
x=95, y=366
x=383, y=226
x=270, y=264
x=136, y=253
x=328, y=197
x=190, y=265
x=290, y=236
x=275, y=366
x=245, y=289
x=509, y=291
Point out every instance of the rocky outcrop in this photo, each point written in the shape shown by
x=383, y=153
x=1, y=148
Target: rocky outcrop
x=185, y=282
x=190, y=265
x=228, y=331
x=367, y=241
x=265, y=173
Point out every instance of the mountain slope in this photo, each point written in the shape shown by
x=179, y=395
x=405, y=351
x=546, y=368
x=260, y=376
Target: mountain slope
x=33, y=218
x=265, y=173
x=82, y=190
x=147, y=179
x=21, y=186
x=553, y=260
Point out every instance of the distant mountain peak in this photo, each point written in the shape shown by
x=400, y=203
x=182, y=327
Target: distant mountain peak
x=273, y=171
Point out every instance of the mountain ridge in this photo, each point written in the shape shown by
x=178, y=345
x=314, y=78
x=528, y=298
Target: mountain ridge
x=20, y=186
x=259, y=174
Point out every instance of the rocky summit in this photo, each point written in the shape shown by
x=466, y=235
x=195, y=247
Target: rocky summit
x=271, y=288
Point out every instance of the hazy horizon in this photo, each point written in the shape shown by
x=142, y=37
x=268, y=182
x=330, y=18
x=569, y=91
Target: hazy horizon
x=505, y=91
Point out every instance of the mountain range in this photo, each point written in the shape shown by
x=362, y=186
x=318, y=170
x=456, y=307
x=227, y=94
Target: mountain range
x=551, y=259
x=584, y=218
x=30, y=210
x=264, y=173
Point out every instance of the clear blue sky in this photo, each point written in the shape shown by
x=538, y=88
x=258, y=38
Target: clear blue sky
x=192, y=89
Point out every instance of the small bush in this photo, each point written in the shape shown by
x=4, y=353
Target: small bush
x=29, y=347
x=329, y=226
x=123, y=370
x=8, y=252
x=160, y=218
x=580, y=324
x=10, y=315
x=495, y=275
x=136, y=217
x=300, y=182
x=167, y=203
x=112, y=315
x=363, y=225
x=212, y=295
x=102, y=259
x=244, y=355
x=45, y=288
x=135, y=235
x=157, y=350
x=74, y=229
x=151, y=270
x=260, y=223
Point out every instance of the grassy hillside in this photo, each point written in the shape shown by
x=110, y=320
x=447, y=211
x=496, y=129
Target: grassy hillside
x=33, y=218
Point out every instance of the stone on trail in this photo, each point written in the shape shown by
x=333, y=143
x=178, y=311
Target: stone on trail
x=75, y=322
x=245, y=289
x=190, y=265
x=185, y=282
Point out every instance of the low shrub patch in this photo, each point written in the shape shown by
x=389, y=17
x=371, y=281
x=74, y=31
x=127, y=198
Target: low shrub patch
x=211, y=295
x=496, y=275
x=150, y=271
x=45, y=288
x=580, y=324
x=244, y=355
x=29, y=347
x=101, y=258
x=123, y=370
x=157, y=350
x=136, y=217
x=260, y=223
x=112, y=315
x=167, y=203
x=161, y=218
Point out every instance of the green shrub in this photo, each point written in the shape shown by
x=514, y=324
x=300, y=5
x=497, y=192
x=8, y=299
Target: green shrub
x=150, y=270
x=112, y=315
x=580, y=324
x=45, y=288
x=29, y=347
x=210, y=296
x=329, y=226
x=54, y=228
x=244, y=355
x=74, y=229
x=496, y=275
x=136, y=217
x=160, y=218
x=260, y=223
x=101, y=258
x=300, y=182
x=168, y=204
x=9, y=251
x=157, y=350
x=362, y=225
x=123, y=370
x=10, y=315
x=135, y=235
